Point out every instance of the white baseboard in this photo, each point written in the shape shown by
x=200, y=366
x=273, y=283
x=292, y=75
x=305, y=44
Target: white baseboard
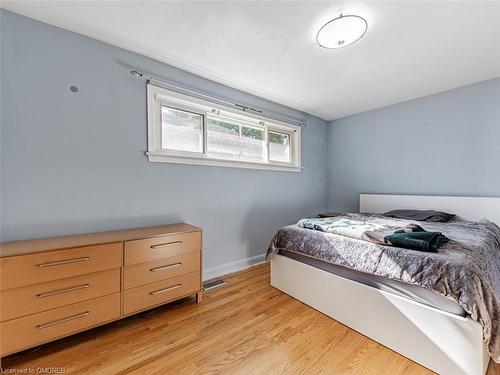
x=238, y=265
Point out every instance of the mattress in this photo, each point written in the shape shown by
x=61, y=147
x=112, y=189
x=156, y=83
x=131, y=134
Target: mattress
x=399, y=288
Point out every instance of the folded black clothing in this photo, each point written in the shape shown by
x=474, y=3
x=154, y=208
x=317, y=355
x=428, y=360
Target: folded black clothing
x=419, y=240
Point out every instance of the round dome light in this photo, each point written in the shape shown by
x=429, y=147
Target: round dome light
x=342, y=31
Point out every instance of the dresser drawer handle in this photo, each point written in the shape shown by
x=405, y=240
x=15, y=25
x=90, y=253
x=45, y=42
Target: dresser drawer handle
x=165, y=289
x=64, y=320
x=160, y=245
x=156, y=269
x=61, y=262
x=61, y=291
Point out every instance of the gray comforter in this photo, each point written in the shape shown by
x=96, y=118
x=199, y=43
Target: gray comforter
x=467, y=269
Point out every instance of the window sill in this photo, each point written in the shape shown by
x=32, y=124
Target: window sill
x=164, y=158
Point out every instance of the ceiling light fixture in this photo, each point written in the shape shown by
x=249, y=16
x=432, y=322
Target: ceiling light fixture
x=342, y=31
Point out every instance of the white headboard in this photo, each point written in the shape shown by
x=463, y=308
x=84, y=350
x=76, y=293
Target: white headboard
x=468, y=208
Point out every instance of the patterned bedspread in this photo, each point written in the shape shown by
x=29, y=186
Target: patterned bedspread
x=466, y=269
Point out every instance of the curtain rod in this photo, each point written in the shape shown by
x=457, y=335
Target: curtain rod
x=201, y=95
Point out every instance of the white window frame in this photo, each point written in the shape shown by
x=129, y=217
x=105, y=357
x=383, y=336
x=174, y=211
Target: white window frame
x=158, y=96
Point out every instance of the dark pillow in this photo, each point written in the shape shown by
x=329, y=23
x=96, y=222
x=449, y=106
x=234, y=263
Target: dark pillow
x=420, y=215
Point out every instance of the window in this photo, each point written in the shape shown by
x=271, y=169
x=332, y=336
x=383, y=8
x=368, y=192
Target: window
x=181, y=130
x=229, y=140
x=279, y=146
x=188, y=130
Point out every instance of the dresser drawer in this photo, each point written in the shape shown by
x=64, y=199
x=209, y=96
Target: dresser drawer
x=38, y=268
x=39, y=328
x=149, y=249
x=156, y=270
x=32, y=299
x=150, y=295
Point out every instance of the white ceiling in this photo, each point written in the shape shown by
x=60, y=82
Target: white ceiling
x=411, y=48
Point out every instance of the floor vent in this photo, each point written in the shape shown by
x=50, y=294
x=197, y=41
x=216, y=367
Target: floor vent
x=207, y=285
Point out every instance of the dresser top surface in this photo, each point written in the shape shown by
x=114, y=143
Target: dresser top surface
x=56, y=243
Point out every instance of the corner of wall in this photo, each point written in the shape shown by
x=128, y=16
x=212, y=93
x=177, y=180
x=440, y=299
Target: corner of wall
x=329, y=174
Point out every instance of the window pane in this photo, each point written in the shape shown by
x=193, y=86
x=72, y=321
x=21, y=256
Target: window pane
x=181, y=130
x=279, y=146
x=253, y=144
x=231, y=141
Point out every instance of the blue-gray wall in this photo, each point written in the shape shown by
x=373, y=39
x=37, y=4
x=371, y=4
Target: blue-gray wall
x=75, y=163
x=444, y=144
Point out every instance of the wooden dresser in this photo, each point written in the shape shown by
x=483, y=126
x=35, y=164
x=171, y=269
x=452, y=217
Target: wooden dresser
x=54, y=287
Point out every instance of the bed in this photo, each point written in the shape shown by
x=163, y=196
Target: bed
x=418, y=323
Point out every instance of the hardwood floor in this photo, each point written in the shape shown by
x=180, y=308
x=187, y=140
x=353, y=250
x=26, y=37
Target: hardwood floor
x=245, y=327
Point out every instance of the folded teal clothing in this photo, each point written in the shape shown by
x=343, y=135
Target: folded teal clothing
x=414, y=237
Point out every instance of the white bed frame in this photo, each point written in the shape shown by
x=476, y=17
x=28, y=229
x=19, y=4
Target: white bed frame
x=440, y=341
